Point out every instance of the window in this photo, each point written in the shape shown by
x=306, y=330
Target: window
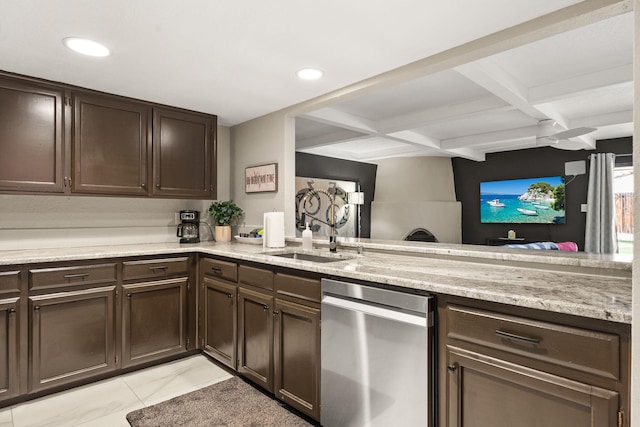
x=623, y=189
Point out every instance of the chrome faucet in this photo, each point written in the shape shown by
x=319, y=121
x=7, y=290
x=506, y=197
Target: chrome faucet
x=332, y=210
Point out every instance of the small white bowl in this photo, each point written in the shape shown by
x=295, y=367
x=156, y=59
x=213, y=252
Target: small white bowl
x=250, y=240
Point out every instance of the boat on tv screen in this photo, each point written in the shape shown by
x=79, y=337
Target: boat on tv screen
x=523, y=201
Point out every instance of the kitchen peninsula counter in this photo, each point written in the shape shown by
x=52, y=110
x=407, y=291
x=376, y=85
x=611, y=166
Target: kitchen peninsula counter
x=579, y=284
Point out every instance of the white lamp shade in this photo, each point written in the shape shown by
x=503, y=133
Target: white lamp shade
x=356, y=198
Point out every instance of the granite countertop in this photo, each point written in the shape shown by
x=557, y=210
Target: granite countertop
x=577, y=284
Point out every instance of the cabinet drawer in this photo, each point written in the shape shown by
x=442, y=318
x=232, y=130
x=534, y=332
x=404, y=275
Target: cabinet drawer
x=45, y=278
x=154, y=268
x=220, y=269
x=9, y=281
x=300, y=287
x=258, y=277
x=580, y=349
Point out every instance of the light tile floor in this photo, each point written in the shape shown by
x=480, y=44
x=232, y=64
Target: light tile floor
x=106, y=403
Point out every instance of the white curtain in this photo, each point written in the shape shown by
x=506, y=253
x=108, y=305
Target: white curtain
x=600, y=232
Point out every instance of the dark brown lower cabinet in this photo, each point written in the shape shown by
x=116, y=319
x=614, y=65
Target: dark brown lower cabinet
x=9, y=344
x=255, y=337
x=488, y=392
x=297, y=356
x=72, y=336
x=220, y=321
x=154, y=321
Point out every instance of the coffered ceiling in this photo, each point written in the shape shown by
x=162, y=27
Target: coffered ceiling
x=238, y=60
x=581, y=78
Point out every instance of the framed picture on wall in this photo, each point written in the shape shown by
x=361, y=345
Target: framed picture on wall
x=262, y=178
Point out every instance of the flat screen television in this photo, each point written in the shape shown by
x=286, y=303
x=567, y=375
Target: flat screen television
x=523, y=201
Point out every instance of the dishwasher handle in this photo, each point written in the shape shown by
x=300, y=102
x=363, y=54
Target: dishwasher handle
x=375, y=310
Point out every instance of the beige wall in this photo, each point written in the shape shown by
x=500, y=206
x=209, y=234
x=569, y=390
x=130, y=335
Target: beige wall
x=415, y=178
x=224, y=163
x=416, y=192
x=268, y=139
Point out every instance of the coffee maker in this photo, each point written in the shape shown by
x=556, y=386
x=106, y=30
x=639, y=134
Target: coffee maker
x=189, y=228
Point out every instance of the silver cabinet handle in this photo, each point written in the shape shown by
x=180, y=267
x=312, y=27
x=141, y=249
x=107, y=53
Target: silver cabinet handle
x=76, y=276
x=515, y=337
x=265, y=307
x=452, y=368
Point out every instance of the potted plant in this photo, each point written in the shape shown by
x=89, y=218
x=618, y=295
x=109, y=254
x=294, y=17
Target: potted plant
x=224, y=214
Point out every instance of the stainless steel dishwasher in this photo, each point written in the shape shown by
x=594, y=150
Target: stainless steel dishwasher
x=377, y=358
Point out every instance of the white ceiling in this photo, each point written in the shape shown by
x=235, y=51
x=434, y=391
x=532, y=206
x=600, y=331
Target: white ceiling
x=580, y=78
x=238, y=59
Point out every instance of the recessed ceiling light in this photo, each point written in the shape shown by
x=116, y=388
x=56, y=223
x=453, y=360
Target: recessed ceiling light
x=310, y=74
x=86, y=46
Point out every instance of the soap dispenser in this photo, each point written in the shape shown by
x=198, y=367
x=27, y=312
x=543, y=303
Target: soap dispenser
x=306, y=239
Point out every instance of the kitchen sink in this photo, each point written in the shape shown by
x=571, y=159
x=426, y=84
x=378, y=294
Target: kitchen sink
x=312, y=257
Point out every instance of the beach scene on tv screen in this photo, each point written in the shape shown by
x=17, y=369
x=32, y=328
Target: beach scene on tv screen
x=517, y=201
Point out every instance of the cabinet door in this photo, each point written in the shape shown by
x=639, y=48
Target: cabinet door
x=255, y=337
x=182, y=154
x=9, y=345
x=31, y=151
x=488, y=392
x=110, y=145
x=154, y=320
x=220, y=321
x=297, y=356
x=72, y=336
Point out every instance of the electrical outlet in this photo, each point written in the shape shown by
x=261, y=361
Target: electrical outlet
x=583, y=207
x=176, y=218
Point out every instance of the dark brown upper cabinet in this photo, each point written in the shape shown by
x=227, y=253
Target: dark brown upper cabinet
x=111, y=145
x=183, y=147
x=31, y=137
x=56, y=138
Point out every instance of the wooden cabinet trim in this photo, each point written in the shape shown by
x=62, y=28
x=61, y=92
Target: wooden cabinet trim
x=219, y=269
x=264, y=379
x=10, y=281
x=55, y=182
x=584, y=350
x=228, y=294
x=40, y=303
x=160, y=186
x=601, y=404
x=129, y=293
x=79, y=275
x=138, y=185
x=154, y=268
x=9, y=322
x=299, y=287
x=311, y=381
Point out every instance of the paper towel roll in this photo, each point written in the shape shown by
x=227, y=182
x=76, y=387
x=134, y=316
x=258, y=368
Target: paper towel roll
x=273, y=236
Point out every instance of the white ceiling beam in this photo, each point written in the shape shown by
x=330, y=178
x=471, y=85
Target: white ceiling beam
x=434, y=115
x=608, y=119
x=580, y=84
x=415, y=138
x=490, y=138
x=334, y=117
x=487, y=74
x=409, y=150
x=337, y=136
x=468, y=153
x=511, y=145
